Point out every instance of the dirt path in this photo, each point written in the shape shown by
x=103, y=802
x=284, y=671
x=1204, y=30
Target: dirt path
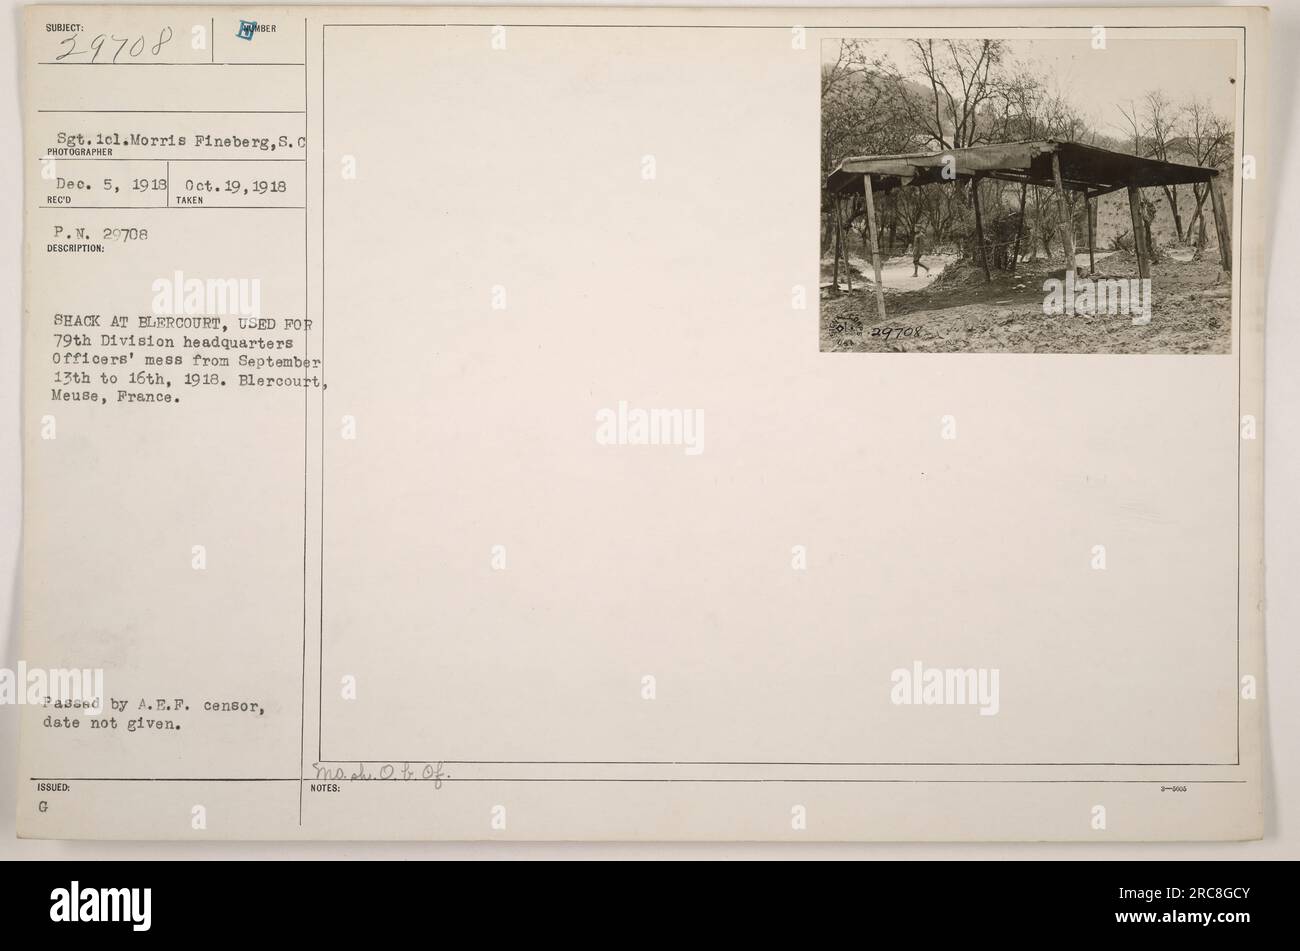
x=896, y=272
x=1191, y=313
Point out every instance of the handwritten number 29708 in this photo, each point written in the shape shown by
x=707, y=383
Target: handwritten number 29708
x=132, y=46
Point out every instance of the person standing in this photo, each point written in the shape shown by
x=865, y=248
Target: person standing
x=919, y=246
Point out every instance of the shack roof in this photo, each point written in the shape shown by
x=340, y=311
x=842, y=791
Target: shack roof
x=1084, y=168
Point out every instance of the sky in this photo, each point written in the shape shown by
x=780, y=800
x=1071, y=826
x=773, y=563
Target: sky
x=1098, y=82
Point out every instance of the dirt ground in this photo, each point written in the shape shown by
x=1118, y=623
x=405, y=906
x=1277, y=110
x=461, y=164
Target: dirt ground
x=958, y=312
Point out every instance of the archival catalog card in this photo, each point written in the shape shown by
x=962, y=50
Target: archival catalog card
x=553, y=423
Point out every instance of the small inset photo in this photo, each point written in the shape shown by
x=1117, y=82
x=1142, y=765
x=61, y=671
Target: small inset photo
x=1035, y=196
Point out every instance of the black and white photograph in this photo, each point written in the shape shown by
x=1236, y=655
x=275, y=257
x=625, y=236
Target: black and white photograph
x=1028, y=196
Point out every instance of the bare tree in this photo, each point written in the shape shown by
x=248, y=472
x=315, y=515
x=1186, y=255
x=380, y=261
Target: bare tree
x=958, y=79
x=1155, y=134
x=1207, y=140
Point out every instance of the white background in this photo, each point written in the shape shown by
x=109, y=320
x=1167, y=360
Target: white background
x=1281, y=694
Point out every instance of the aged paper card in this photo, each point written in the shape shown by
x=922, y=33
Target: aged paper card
x=468, y=423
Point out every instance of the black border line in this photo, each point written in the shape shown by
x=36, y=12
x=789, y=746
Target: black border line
x=306, y=315
x=541, y=779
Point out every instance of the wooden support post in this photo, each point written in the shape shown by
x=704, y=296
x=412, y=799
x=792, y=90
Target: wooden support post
x=1090, y=206
x=1063, y=212
x=835, y=227
x=1222, y=226
x=875, y=243
x=1020, y=229
x=979, y=228
x=1139, y=232
x=844, y=228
